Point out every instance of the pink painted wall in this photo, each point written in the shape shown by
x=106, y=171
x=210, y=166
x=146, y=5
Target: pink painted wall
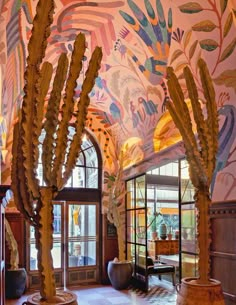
x=128, y=101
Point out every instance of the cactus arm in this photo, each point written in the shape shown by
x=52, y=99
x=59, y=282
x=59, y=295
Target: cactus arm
x=46, y=74
x=82, y=106
x=45, y=241
x=201, y=177
x=202, y=128
x=51, y=121
x=178, y=98
x=21, y=195
x=212, y=116
x=191, y=152
x=68, y=107
x=36, y=50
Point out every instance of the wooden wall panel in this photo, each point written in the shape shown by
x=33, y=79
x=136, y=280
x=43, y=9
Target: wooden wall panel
x=223, y=248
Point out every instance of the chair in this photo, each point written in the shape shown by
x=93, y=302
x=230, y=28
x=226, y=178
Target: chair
x=159, y=269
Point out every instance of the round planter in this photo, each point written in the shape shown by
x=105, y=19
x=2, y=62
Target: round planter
x=61, y=298
x=15, y=283
x=120, y=274
x=189, y=292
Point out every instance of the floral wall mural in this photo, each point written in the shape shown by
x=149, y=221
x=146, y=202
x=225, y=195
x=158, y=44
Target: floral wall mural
x=139, y=40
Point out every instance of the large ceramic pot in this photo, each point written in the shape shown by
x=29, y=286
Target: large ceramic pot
x=163, y=231
x=189, y=292
x=15, y=283
x=120, y=274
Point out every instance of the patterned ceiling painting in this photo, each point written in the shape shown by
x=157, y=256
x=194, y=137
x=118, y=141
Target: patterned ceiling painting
x=139, y=40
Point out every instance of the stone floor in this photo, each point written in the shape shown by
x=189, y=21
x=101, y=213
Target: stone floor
x=160, y=293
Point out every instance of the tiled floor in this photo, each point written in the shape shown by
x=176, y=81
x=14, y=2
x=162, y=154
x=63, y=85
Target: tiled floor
x=160, y=293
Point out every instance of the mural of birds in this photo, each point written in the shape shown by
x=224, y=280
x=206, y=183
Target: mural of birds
x=227, y=135
x=116, y=114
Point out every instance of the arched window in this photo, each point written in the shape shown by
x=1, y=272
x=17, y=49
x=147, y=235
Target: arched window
x=86, y=171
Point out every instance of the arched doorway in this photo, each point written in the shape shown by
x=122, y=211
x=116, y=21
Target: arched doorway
x=77, y=222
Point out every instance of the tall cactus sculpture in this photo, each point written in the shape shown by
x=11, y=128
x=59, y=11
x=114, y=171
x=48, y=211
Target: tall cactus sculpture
x=33, y=200
x=201, y=149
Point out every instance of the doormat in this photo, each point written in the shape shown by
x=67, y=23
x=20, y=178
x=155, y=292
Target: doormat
x=156, y=295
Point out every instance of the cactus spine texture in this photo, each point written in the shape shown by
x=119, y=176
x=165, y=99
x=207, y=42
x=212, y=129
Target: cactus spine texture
x=33, y=200
x=201, y=148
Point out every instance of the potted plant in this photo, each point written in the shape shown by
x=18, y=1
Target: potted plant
x=59, y=152
x=119, y=270
x=15, y=277
x=201, y=149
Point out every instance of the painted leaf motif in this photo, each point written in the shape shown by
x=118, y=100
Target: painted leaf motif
x=190, y=8
x=193, y=49
x=229, y=50
x=223, y=5
x=234, y=12
x=228, y=24
x=187, y=38
x=180, y=66
x=227, y=78
x=175, y=55
x=208, y=44
x=204, y=26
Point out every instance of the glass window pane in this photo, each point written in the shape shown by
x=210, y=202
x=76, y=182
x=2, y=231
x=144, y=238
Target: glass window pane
x=80, y=160
x=33, y=257
x=140, y=191
x=130, y=252
x=130, y=194
x=88, y=253
x=141, y=226
x=130, y=226
x=81, y=235
x=91, y=177
x=56, y=255
x=188, y=228
x=91, y=157
x=189, y=265
x=87, y=158
x=85, y=144
x=78, y=177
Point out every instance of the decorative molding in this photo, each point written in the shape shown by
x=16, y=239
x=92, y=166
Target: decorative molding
x=223, y=209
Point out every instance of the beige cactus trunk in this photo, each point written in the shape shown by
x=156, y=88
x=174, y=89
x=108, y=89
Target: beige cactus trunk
x=58, y=156
x=201, y=149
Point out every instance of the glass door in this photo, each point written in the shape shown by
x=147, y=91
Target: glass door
x=136, y=217
x=188, y=242
x=75, y=245
x=81, y=246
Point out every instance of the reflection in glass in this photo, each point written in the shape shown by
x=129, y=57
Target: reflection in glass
x=81, y=235
x=56, y=250
x=85, y=172
x=140, y=191
x=130, y=226
x=130, y=194
x=189, y=265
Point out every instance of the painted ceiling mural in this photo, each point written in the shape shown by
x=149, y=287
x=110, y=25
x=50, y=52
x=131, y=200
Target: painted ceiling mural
x=139, y=40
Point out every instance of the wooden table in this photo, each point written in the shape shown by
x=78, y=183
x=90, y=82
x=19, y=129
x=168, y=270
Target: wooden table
x=162, y=247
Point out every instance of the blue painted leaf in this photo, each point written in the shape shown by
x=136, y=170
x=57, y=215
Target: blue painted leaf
x=208, y=44
x=191, y=8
